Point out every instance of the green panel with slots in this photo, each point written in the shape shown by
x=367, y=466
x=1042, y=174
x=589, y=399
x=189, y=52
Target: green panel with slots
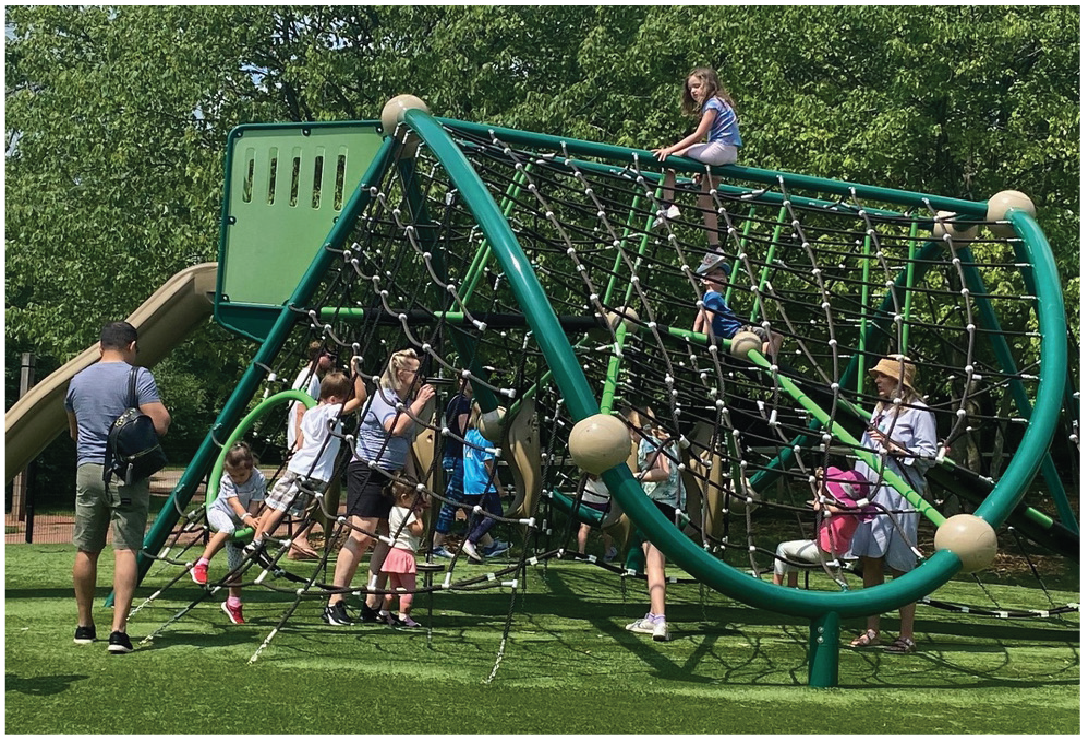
x=285, y=187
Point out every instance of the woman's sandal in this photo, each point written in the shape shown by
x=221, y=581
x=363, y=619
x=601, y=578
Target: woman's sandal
x=867, y=639
x=902, y=646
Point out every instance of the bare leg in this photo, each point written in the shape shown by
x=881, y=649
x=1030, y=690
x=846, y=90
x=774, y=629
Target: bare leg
x=907, y=614
x=655, y=563
x=708, y=207
x=124, y=585
x=346, y=563
x=376, y=562
x=873, y=575
x=582, y=538
x=216, y=543
x=85, y=579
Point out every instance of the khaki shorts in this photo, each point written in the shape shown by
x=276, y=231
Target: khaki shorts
x=95, y=508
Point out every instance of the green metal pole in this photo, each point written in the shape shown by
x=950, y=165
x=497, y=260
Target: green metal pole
x=1051, y=312
x=823, y=652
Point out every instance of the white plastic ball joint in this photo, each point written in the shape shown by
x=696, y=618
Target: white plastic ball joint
x=392, y=115
x=999, y=203
x=970, y=538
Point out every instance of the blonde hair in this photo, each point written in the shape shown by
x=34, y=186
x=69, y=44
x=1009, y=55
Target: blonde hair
x=476, y=414
x=713, y=88
x=891, y=367
x=645, y=422
x=397, y=362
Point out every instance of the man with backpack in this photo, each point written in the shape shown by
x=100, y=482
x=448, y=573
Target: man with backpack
x=97, y=397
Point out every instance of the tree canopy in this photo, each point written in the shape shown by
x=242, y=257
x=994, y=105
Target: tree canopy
x=117, y=119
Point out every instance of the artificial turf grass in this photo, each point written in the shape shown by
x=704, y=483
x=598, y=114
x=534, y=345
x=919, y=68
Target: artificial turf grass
x=569, y=666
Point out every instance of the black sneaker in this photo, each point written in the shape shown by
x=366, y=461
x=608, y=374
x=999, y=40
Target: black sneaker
x=119, y=642
x=370, y=615
x=337, y=615
x=85, y=635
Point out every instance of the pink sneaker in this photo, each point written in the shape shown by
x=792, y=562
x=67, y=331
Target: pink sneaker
x=234, y=613
x=199, y=573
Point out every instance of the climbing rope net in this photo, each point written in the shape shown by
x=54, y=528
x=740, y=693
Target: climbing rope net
x=844, y=281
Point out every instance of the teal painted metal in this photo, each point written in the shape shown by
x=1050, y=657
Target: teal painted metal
x=581, y=404
x=256, y=372
x=1050, y=310
x=513, y=261
x=647, y=160
x=822, y=652
x=1009, y=366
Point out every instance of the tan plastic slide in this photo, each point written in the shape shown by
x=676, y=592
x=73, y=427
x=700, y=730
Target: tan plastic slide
x=162, y=321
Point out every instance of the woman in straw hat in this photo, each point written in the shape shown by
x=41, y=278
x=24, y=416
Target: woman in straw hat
x=902, y=434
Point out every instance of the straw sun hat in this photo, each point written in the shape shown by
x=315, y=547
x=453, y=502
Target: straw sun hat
x=891, y=367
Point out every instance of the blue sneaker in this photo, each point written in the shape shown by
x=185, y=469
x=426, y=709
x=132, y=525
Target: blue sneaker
x=441, y=552
x=498, y=547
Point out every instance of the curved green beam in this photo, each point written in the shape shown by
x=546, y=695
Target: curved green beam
x=582, y=147
x=243, y=426
x=1050, y=309
x=581, y=404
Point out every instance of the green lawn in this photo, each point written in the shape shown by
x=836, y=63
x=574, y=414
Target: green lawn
x=569, y=667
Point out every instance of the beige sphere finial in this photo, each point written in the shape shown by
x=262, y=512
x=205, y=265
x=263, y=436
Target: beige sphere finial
x=970, y=538
x=999, y=203
x=945, y=222
x=393, y=114
x=598, y=443
x=743, y=343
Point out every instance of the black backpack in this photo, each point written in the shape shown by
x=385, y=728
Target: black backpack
x=133, y=451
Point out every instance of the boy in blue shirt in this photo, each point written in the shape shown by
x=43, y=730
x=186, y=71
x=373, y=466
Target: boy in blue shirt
x=481, y=486
x=719, y=321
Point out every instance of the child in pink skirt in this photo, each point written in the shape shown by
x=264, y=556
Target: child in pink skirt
x=405, y=525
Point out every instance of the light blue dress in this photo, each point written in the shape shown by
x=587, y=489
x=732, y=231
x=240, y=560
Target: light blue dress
x=913, y=428
x=667, y=491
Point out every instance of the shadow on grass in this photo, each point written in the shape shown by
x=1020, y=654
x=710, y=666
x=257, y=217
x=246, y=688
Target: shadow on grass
x=41, y=685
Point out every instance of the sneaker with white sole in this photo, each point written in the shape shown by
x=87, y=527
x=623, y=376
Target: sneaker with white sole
x=336, y=615
x=405, y=622
x=663, y=215
x=497, y=548
x=645, y=626
x=659, y=629
x=85, y=635
x=199, y=574
x=233, y=612
x=119, y=642
x=441, y=552
x=469, y=550
x=370, y=615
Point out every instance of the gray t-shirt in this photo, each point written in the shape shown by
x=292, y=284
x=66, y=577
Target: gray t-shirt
x=251, y=490
x=97, y=395
x=374, y=443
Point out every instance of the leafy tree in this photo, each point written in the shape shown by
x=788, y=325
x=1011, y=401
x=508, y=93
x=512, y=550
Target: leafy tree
x=117, y=118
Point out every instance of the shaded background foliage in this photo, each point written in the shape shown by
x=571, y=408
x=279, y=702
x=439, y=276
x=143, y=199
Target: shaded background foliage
x=116, y=119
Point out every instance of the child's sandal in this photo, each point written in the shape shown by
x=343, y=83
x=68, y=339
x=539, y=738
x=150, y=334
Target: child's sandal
x=902, y=646
x=867, y=639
